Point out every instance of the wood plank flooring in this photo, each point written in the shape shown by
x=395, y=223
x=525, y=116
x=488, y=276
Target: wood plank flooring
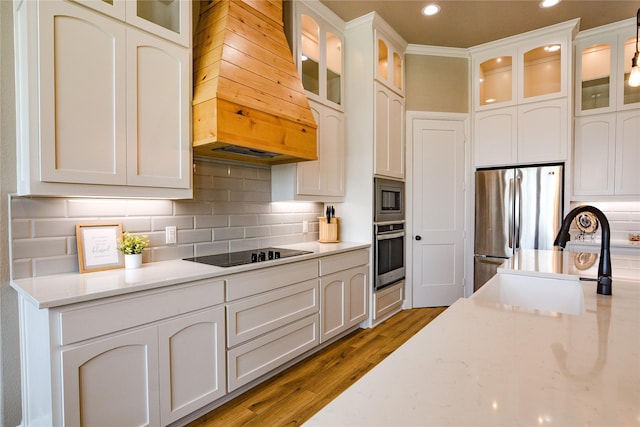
x=293, y=396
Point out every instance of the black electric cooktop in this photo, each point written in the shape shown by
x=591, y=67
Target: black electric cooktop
x=246, y=257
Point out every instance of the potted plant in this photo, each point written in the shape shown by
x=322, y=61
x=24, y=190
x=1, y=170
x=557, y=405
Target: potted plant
x=132, y=246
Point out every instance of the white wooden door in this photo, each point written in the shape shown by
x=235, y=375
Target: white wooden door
x=438, y=212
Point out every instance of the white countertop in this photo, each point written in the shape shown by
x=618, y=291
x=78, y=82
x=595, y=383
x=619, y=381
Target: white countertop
x=486, y=364
x=62, y=289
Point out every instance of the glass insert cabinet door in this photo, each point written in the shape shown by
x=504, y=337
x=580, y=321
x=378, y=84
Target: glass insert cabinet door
x=389, y=64
x=542, y=71
x=496, y=80
x=595, y=76
x=320, y=60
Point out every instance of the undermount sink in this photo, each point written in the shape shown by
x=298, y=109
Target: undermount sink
x=533, y=293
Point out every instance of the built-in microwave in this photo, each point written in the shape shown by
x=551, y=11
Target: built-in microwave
x=388, y=200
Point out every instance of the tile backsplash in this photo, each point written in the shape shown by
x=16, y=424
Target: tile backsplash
x=231, y=210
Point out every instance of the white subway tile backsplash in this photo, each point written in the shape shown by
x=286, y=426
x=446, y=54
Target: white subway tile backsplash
x=54, y=227
x=194, y=236
x=96, y=208
x=211, y=221
x=184, y=207
x=182, y=222
x=250, y=232
x=21, y=228
x=39, y=248
x=55, y=265
x=135, y=224
x=228, y=233
x=22, y=269
x=149, y=207
x=231, y=210
x=243, y=220
x=38, y=208
x=211, y=248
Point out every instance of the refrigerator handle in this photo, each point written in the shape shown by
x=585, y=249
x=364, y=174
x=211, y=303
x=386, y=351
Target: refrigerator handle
x=510, y=213
x=518, y=211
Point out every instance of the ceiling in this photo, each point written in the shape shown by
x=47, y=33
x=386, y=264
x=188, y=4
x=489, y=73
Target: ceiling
x=464, y=23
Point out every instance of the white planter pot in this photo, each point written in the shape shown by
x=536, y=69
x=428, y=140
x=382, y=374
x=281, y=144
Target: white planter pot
x=133, y=261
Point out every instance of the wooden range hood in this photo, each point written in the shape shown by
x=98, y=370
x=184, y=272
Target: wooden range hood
x=248, y=100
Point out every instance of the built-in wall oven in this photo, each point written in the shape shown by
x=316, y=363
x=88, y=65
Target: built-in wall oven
x=388, y=232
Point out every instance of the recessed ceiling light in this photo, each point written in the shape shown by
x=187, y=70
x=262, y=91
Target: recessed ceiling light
x=430, y=9
x=549, y=3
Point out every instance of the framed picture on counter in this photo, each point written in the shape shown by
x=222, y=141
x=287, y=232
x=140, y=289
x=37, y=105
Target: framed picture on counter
x=98, y=246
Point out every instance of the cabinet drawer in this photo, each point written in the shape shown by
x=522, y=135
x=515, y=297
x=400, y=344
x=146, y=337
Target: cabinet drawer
x=263, y=313
x=249, y=361
x=388, y=300
x=264, y=280
x=89, y=321
x=343, y=261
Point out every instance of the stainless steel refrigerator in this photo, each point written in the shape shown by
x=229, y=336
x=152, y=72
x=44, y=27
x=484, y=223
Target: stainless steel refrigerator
x=516, y=208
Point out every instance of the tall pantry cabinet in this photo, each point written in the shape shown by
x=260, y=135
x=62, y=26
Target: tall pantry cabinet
x=103, y=96
x=375, y=134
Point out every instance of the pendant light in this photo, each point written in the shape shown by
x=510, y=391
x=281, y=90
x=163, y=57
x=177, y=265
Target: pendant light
x=634, y=77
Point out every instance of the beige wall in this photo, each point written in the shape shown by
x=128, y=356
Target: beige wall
x=437, y=83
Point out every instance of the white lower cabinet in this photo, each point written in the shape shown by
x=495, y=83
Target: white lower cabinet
x=145, y=359
x=344, y=292
x=343, y=297
x=152, y=358
x=273, y=326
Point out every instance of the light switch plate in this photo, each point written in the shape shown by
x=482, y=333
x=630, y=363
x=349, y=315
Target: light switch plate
x=170, y=233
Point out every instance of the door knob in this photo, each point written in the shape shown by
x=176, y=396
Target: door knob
x=418, y=237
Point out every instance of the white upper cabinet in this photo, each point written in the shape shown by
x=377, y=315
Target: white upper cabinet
x=603, y=63
x=389, y=63
x=318, y=46
x=521, y=92
x=169, y=19
x=529, y=67
x=607, y=145
x=102, y=107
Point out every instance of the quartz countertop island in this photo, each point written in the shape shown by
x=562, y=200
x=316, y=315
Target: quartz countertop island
x=482, y=364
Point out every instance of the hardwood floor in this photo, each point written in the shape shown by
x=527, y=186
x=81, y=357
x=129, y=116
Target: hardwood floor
x=293, y=396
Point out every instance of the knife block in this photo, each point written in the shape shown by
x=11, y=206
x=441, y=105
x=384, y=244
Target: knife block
x=328, y=230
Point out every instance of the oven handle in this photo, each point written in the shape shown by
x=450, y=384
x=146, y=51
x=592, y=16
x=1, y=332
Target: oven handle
x=389, y=236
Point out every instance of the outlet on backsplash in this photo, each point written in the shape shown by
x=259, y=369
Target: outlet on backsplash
x=171, y=234
x=305, y=226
